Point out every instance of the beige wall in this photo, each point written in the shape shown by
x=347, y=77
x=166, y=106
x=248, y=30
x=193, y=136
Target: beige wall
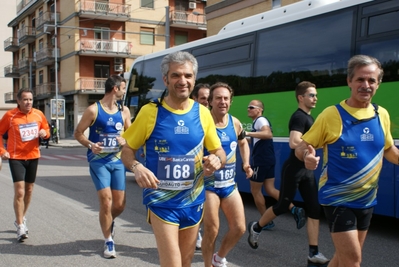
x=8, y=13
x=217, y=19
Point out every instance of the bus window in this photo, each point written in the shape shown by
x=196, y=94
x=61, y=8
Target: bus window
x=297, y=51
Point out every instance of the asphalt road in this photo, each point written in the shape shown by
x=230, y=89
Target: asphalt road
x=64, y=228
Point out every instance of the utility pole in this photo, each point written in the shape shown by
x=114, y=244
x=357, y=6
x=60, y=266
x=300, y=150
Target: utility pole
x=57, y=124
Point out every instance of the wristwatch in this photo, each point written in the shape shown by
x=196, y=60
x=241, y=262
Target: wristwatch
x=90, y=146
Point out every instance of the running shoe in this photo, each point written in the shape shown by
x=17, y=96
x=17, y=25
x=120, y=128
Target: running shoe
x=221, y=263
x=109, y=250
x=299, y=216
x=253, y=236
x=113, y=229
x=199, y=241
x=21, y=234
x=319, y=258
x=268, y=226
x=24, y=222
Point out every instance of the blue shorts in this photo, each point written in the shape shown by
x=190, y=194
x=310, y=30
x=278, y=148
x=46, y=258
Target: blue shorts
x=184, y=218
x=262, y=173
x=108, y=175
x=224, y=192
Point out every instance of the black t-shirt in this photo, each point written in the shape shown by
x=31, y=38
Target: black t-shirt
x=300, y=121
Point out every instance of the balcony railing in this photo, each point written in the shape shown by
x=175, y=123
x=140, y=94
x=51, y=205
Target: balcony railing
x=104, y=8
x=46, y=18
x=11, y=71
x=27, y=34
x=11, y=44
x=46, y=56
x=25, y=64
x=187, y=19
x=45, y=90
x=91, y=84
x=105, y=46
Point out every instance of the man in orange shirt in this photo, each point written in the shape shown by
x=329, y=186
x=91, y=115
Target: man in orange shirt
x=24, y=125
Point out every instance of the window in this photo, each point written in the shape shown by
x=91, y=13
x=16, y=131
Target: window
x=23, y=53
x=23, y=82
x=147, y=3
x=181, y=38
x=147, y=36
x=101, y=69
x=102, y=35
x=40, y=44
x=41, y=77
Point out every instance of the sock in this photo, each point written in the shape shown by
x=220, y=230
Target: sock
x=313, y=250
x=217, y=258
x=293, y=210
x=109, y=239
x=257, y=228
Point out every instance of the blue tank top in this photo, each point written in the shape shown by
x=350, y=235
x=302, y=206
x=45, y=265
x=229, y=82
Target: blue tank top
x=350, y=177
x=174, y=152
x=225, y=176
x=104, y=129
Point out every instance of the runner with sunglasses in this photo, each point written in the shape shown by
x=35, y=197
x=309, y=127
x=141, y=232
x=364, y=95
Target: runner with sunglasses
x=263, y=162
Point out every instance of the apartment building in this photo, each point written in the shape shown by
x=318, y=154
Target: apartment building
x=66, y=49
x=8, y=8
x=221, y=12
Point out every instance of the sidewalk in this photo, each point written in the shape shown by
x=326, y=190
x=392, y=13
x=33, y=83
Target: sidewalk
x=67, y=142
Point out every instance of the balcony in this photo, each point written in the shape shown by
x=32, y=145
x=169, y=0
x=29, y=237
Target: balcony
x=91, y=85
x=25, y=64
x=188, y=20
x=27, y=35
x=11, y=71
x=103, y=10
x=46, y=56
x=10, y=97
x=105, y=48
x=47, y=18
x=11, y=44
x=45, y=90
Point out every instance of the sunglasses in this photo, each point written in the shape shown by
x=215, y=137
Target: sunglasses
x=253, y=107
x=311, y=95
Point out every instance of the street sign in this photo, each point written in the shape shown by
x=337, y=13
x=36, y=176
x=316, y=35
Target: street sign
x=60, y=107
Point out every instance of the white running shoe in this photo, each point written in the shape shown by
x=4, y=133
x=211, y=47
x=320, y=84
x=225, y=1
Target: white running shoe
x=21, y=234
x=109, y=250
x=221, y=263
x=24, y=222
x=252, y=236
x=318, y=258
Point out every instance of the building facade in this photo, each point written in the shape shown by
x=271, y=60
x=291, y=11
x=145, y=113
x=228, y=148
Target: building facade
x=9, y=8
x=221, y=12
x=66, y=49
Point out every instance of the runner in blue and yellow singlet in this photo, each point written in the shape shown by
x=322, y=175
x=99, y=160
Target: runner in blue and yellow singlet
x=221, y=188
x=107, y=119
x=174, y=130
x=355, y=135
